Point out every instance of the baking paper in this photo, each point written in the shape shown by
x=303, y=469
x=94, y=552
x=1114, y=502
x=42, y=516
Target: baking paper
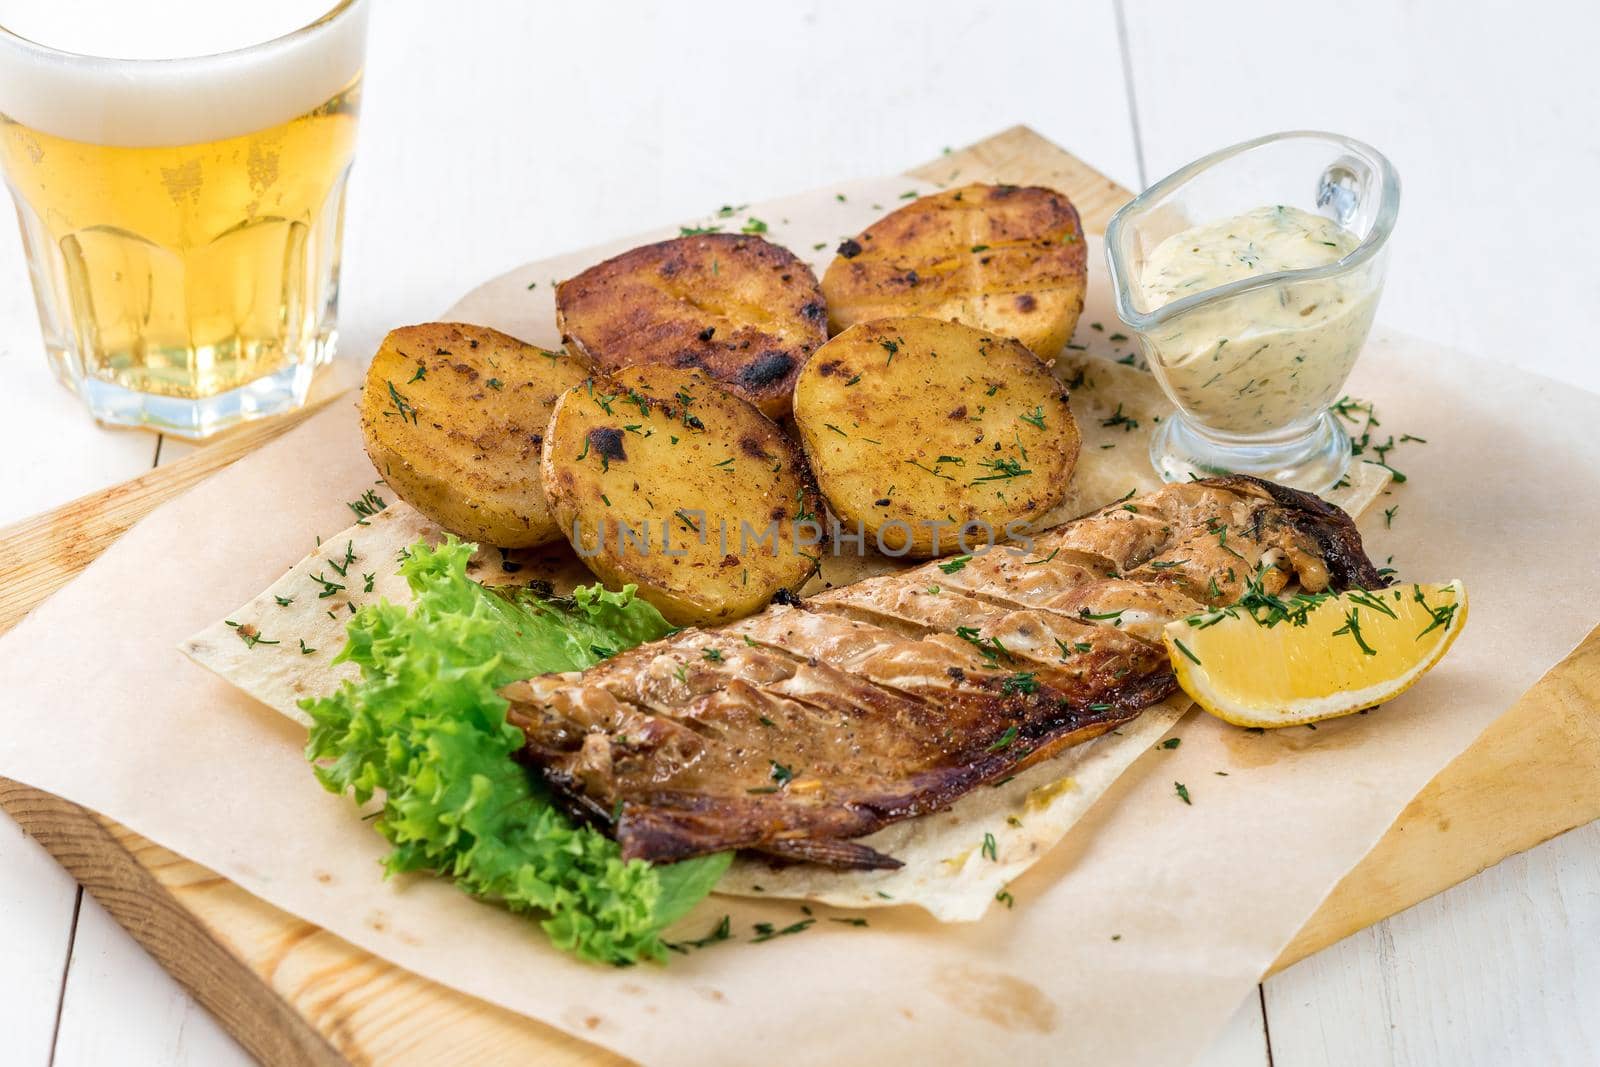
x=1132, y=942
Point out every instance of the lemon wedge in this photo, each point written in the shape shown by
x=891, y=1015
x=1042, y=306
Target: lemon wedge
x=1282, y=661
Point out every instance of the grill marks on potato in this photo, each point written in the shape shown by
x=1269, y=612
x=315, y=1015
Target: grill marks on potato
x=607, y=442
x=916, y=427
x=655, y=472
x=767, y=370
x=453, y=417
x=744, y=310
x=1007, y=259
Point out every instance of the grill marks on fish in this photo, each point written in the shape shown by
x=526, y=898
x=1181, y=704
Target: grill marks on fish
x=758, y=742
x=1051, y=646
x=1011, y=579
x=799, y=728
x=1142, y=609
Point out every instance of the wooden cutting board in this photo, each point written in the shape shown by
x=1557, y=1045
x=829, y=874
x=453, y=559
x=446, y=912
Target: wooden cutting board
x=293, y=993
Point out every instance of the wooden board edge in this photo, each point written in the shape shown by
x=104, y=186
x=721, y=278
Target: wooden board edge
x=270, y=1029
x=301, y=996
x=1021, y=155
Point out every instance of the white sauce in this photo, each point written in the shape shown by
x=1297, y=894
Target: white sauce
x=1266, y=360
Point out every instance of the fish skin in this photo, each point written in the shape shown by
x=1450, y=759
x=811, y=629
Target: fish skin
x=801, y=727
x=668, y=697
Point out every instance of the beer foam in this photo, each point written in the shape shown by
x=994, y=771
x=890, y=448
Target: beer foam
x=179, y=87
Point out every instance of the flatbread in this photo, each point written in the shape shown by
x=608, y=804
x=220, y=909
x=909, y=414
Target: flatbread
x=958, y=861
x=279, y=647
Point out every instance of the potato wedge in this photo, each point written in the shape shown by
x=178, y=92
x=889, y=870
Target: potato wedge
x=742, y=309
x=917, y=427
x=661, y=478
x=453, y=416
x=1004, y=258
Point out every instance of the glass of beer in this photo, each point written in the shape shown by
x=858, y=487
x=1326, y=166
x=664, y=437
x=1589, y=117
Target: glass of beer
x=179, y=173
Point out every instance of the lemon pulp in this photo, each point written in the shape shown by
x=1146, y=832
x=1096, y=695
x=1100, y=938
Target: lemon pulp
x=1286, y=661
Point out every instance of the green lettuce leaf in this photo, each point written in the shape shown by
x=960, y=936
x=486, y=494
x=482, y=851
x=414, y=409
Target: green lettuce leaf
x=426, y=730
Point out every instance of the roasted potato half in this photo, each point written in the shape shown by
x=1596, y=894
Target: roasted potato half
x=742, y=309
x=1008, y=259
x=661, y=478
x=453, y=416
x=917, y=427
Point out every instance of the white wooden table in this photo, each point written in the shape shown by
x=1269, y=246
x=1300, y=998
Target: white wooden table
x=501, y=131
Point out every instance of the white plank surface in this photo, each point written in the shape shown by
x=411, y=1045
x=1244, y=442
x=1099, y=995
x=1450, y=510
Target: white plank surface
x=1501, y=969
x=1243, y=1042
x=509, y=132
x=36, y=909
x=501, y=132
x=52, y=451
x=122, y=1008
x=1478, y=104
x=119, y=1006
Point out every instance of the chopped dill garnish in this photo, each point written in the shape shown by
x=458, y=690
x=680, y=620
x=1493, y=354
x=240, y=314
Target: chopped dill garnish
x=1023, y=682
x=1005, y=739
x=1120, y=418
x=1352, y=626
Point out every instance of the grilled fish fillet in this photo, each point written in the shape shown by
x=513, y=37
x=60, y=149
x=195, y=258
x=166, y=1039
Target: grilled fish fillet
x=795, y=730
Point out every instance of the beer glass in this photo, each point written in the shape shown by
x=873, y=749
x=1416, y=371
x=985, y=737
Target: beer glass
x=182, y=217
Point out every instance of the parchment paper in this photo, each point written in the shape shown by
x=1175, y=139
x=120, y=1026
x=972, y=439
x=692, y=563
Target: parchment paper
x=1131, y=943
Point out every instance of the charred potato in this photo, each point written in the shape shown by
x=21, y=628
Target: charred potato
x=916, y=427
x=1003, y=258
x=453, y=416
x=742, y=309
x=660, y=478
